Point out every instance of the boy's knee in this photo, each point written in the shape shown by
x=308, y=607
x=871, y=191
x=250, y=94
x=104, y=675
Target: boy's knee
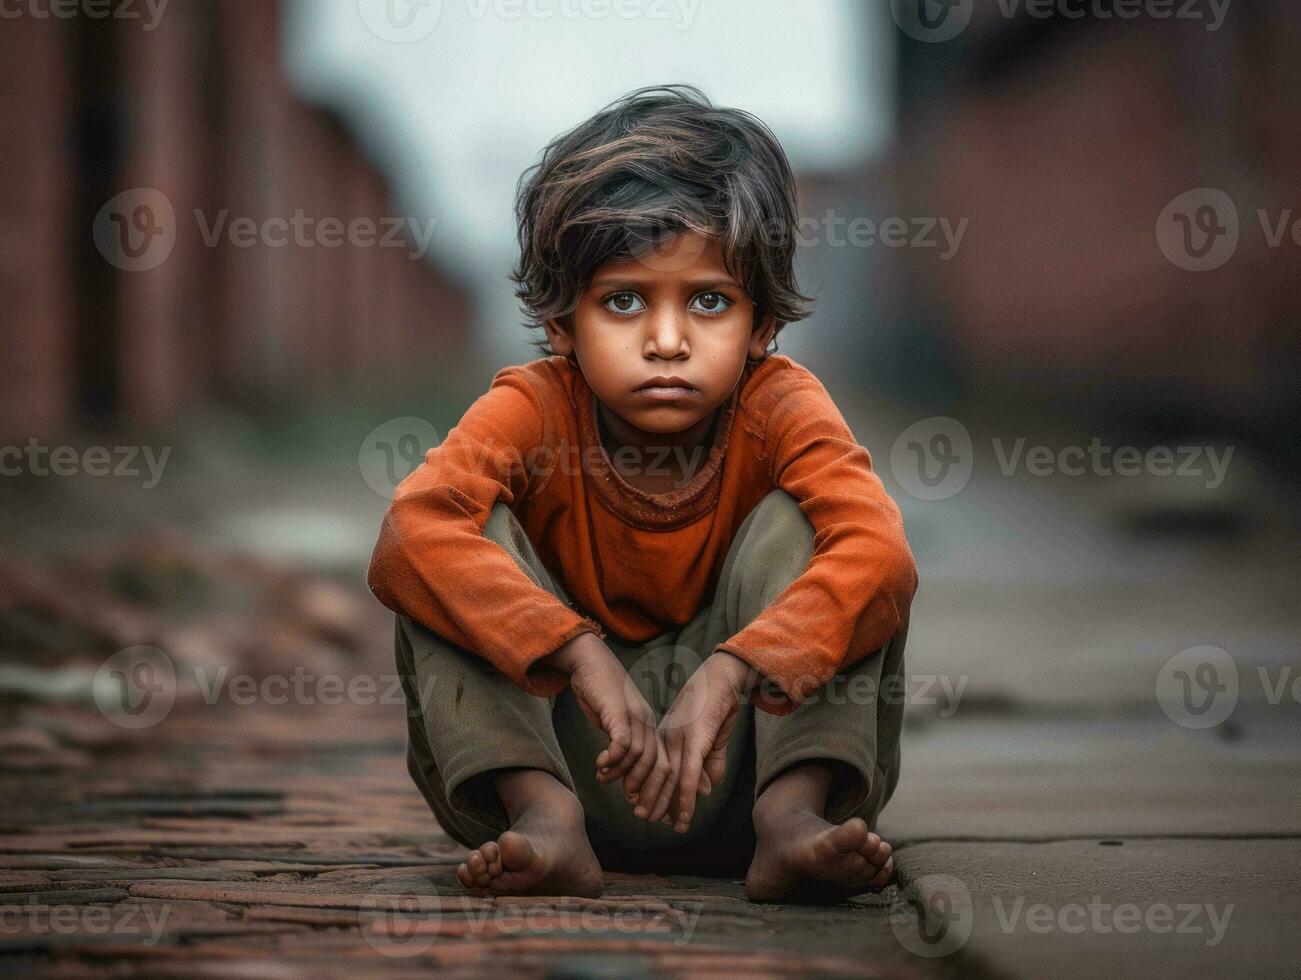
x=502, y=526
x=776, y=540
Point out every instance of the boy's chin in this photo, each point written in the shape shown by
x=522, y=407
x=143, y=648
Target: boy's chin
x=666, y=421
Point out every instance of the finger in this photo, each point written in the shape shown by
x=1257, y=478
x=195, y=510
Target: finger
x=714, y=769
x=648, y=796
x=667, y=794
x=637, y=747
x=645, y=764
x=617, y=730
x=688, y=783
x=660, y=808
x=673, y=749
x=618, y=768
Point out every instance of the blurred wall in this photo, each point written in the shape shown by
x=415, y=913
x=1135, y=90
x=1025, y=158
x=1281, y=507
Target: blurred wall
x=193, y=114
x=1063, y=140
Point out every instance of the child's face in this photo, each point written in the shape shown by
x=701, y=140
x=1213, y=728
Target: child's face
x=673, y=314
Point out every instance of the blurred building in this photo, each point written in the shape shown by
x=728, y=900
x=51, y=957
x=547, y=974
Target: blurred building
x=1063, y=140
x=196, y=110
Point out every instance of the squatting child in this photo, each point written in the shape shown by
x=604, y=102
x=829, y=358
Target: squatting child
x=649, y=588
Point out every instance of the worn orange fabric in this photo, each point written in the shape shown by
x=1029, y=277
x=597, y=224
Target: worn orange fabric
x=636, y=564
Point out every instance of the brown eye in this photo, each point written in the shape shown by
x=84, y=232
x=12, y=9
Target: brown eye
x=624, y=303
x=710, y=303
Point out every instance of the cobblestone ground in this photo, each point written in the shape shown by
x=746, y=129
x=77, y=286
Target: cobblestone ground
x=282, y=843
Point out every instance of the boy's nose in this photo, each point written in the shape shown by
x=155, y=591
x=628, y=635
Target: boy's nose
x=666, y=337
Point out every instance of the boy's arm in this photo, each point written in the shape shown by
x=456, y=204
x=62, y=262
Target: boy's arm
x=433, y=564
x=854, y=595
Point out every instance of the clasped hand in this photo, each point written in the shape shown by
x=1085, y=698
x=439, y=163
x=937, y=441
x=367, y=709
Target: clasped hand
x=663, y=766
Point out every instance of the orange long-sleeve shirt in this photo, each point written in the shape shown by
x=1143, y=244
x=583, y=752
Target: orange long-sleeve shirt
x=637, y=564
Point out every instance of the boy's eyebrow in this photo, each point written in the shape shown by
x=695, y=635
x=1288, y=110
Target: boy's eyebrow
x=632, y=283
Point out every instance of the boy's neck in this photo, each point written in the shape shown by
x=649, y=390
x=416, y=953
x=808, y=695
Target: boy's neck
x=617, y=434
x=668, y=461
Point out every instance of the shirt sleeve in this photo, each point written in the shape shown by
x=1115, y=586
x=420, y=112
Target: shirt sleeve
x=855, y=592
x=433, y=564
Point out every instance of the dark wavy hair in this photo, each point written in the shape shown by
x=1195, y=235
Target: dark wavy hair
x=661, y=160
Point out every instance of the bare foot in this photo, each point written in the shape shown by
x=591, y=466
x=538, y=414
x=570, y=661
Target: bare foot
x=545, y=852
x=802, y=857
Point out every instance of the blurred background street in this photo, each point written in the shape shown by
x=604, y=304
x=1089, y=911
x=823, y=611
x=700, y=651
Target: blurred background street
x=255, y=261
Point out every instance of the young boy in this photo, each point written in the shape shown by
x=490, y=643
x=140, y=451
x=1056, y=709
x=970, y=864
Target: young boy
x=649, y=589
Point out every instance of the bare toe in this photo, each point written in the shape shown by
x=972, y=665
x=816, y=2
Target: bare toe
x=852, y=835
x=802, y=857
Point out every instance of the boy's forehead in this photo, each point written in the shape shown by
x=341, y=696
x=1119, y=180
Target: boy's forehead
x=684, y=255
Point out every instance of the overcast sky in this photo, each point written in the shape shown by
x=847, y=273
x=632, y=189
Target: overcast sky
x=460, y=95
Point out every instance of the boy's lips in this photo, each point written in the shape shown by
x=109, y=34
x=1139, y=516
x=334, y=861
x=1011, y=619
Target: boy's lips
x=666, y=389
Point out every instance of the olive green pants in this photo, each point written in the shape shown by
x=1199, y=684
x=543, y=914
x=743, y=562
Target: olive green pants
x=466, y=720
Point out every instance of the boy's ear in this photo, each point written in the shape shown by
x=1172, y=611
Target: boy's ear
x=760, y=338
x=559, y=337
